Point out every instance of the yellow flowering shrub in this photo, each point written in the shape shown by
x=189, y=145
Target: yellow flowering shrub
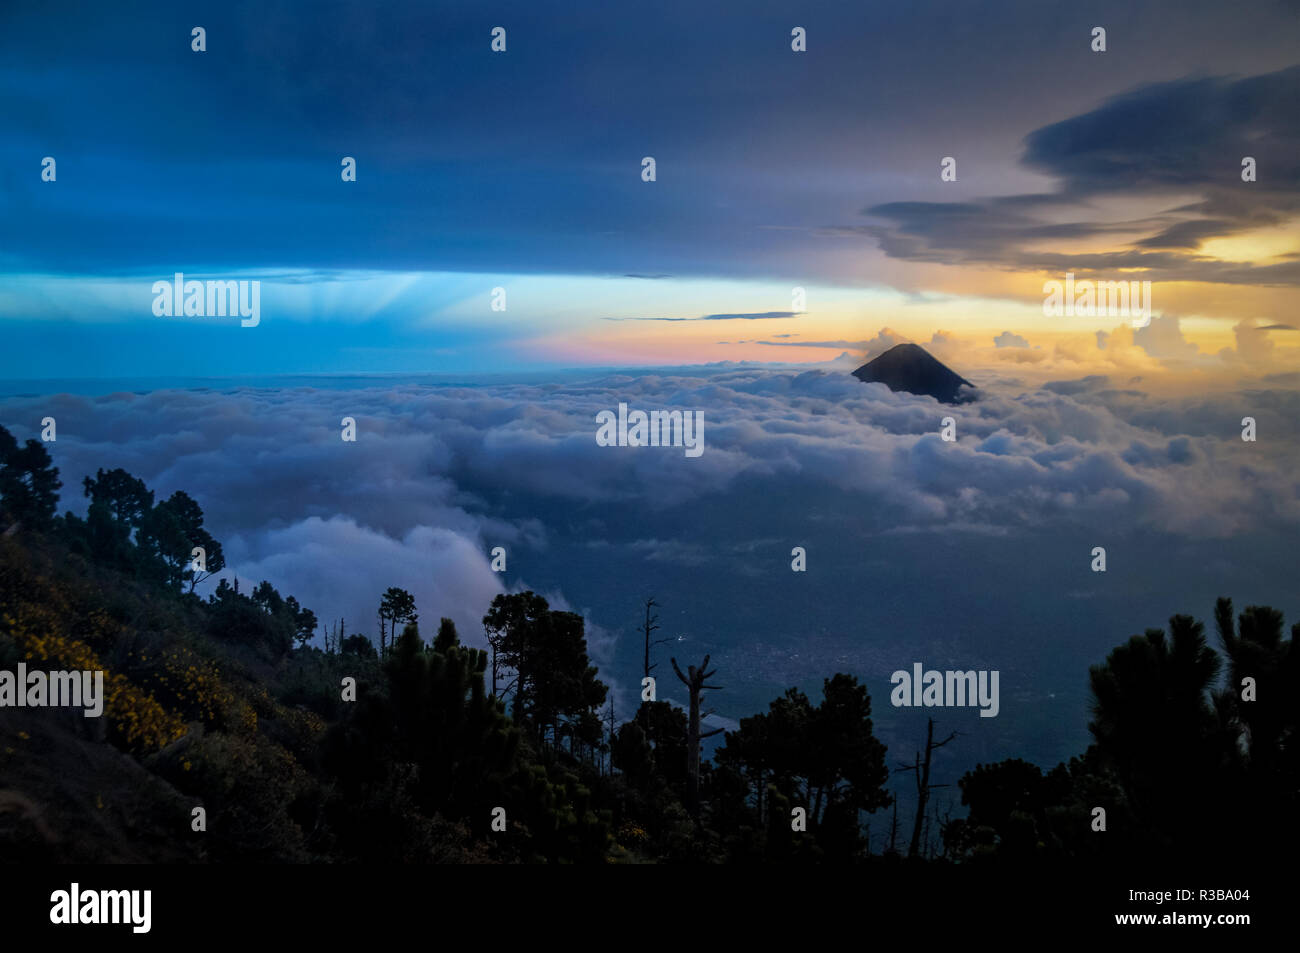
x=190, y=685
x=633, y=834
x=134, y=715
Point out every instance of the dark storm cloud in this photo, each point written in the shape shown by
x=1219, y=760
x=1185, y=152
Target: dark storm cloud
x=1162, y=140
x=1188, y=234
x=529, y=161
x=1172, y=135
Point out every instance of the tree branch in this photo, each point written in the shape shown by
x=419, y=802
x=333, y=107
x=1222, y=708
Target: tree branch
x=685, y=680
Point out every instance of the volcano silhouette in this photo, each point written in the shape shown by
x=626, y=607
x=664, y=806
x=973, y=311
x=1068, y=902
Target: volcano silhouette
x=909, y=367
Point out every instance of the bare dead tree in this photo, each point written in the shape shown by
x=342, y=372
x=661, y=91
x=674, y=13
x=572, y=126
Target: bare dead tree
x=648, y=627
x=694, y=683
x=923, y=785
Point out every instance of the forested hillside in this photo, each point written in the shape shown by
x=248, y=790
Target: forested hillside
x=413, y=747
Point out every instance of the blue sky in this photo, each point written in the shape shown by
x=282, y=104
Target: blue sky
x=478, y=169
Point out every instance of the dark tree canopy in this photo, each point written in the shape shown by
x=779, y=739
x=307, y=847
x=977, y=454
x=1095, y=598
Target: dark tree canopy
x=825, y=759
x=554, y=682
x=358, y=645
x=29, y=483
x=170, y=533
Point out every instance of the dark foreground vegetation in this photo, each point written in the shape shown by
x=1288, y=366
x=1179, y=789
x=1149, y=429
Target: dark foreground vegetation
x=221, y=703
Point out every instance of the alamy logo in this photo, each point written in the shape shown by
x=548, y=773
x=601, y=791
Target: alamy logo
x=209, y=299
x=1090, y=299
x=945, y=689
x=658, y=428
x=53, y=690
x=134, y=907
